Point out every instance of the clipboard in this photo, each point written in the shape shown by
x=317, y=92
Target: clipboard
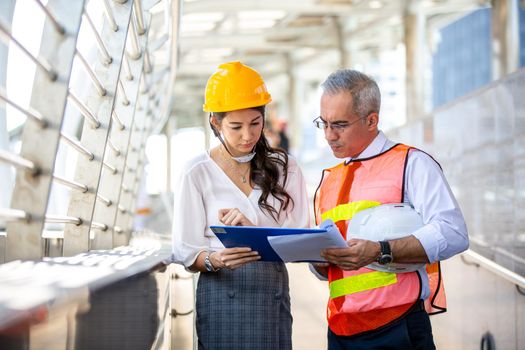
x=283, y=244
x=257, y=238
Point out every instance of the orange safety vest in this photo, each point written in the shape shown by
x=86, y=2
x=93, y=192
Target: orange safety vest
x=364, y=300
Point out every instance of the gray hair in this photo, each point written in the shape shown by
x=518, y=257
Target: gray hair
x=366, y=97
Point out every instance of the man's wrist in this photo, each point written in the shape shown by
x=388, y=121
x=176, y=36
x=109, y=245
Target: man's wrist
x=377, y=251
x=385, y=256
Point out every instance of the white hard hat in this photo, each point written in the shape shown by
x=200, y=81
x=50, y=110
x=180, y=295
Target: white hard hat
x=386, y=222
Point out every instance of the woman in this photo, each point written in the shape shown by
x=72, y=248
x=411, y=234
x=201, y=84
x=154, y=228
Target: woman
x=241, y=303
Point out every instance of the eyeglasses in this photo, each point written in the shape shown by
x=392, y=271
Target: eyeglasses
x=338, y=127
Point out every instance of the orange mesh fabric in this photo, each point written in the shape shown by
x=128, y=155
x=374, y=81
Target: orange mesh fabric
x=352, y=324
x=437, y=301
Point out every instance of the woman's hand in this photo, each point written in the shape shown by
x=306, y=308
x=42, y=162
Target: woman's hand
x=232, y=258
x=233, y=217
x=321, y=268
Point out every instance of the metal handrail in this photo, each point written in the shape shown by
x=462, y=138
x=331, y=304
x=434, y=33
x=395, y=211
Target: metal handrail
x=134, y=40
x=114, y=148
x=127, y=68
x=31, y=113
x=110, y=167
x=63, y=219
x=59, y=28
x=78, y=146
x=125, y=100
x=104, y=200
x=17, y=161
x=84, y=110
x=96, y=82
x=107, y=57
x=499, y=270
x=117, y=120
x=137, y=6
x=8, y=214
x=99, y=226
x=107, y=267
x=109, y=14
x=70, y=183
x=40, y=62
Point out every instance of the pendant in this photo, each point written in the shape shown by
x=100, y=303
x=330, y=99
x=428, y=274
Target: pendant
x=243, y=179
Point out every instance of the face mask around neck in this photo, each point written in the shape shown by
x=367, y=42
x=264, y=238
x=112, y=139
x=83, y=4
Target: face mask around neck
x=244, y=159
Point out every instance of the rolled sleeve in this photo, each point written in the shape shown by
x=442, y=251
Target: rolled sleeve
x=432, y=241
x=445, y=232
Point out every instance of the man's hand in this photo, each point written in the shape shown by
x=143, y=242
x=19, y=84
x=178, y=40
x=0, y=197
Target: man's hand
x=360, y=252
x=233, y=217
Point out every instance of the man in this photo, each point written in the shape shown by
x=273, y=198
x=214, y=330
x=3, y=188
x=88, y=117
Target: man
x=368, y=309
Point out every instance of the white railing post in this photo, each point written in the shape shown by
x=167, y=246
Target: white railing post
x=39, y=145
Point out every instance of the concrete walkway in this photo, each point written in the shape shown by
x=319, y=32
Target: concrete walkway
x=309, y=297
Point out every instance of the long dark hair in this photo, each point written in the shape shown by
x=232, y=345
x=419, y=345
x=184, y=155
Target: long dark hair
x=265, y=169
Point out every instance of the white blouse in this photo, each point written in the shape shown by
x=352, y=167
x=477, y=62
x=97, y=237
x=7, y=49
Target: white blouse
x=204, y=188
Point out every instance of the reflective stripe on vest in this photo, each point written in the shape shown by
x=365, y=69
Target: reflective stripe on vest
x=347, y=211
x=360, y=283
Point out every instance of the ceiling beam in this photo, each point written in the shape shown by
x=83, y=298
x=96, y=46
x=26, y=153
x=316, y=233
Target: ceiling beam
x=290, y=6
x=253, y=41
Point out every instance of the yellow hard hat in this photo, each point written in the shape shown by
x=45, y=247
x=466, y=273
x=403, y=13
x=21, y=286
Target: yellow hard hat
x=235, y=86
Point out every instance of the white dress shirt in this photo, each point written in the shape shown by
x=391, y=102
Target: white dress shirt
x=204, y=189
x=427, y=191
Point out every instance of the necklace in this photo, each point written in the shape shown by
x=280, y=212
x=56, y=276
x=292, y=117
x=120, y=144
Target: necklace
x=232, y=167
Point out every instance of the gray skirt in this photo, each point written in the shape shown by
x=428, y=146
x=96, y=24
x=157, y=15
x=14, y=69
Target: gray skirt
x=245, y=308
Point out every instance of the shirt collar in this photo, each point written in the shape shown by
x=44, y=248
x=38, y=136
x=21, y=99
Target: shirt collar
x=374, y=148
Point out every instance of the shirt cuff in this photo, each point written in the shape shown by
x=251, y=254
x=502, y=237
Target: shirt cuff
x=186, y=255
x=432, y=241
